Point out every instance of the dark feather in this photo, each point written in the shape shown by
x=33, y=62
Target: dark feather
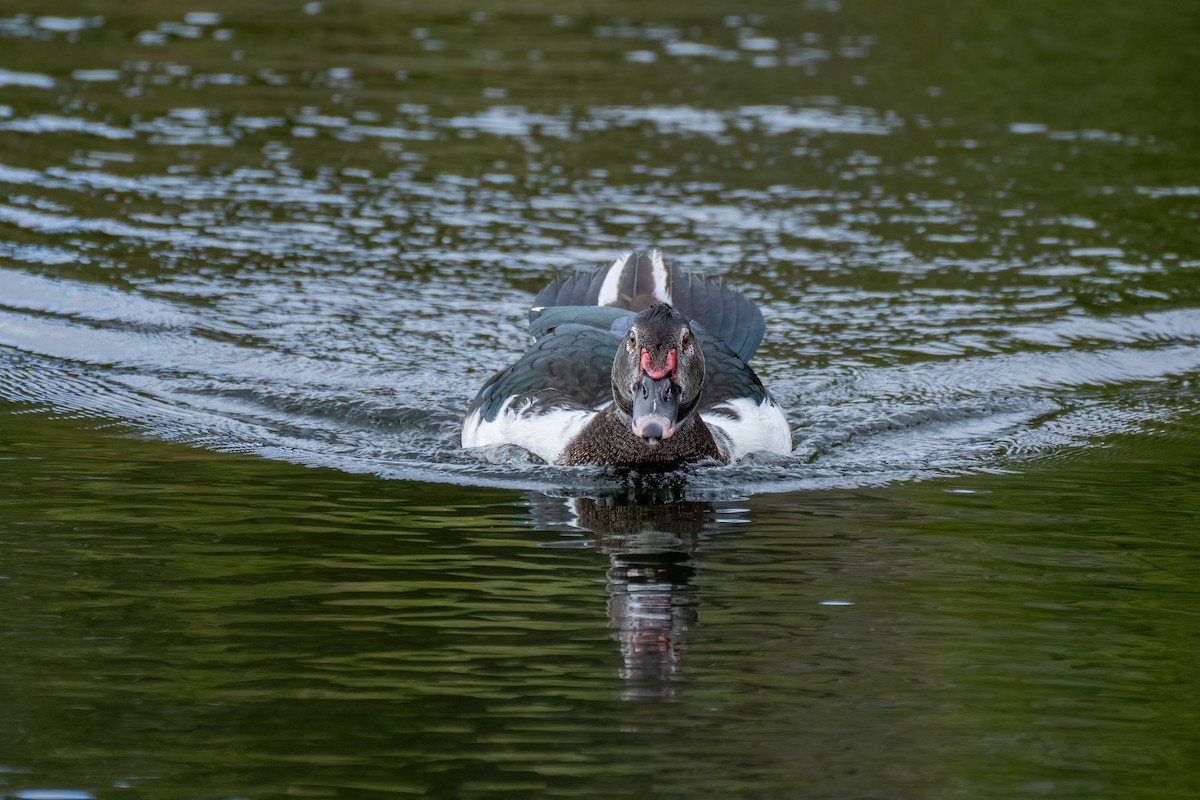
x=726, y=313
x=570, y=367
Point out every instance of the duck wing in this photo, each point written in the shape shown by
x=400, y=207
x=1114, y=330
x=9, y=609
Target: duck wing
x=726, y=374
x=543, y=400
x=615, y=321
x=570, y=365
x=738, y=409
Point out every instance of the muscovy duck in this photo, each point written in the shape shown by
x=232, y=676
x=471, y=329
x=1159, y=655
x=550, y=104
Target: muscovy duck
x=636, y=364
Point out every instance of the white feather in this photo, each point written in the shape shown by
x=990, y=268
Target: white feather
x=662, y=277
x=754, y=427
x=612, y=281
x=545, y=433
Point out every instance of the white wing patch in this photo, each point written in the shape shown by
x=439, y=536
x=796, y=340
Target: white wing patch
x=545, y=433
x=754, y=427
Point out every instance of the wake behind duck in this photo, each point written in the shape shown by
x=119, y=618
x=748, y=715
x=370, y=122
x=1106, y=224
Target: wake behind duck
x=637, y=363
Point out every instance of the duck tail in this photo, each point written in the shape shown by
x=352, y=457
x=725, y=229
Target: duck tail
x=635, y=281
x=638, y=279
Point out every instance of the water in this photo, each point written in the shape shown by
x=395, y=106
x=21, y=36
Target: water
x=256, y=258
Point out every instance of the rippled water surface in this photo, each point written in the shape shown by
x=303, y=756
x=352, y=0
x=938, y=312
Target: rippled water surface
x=256, y=258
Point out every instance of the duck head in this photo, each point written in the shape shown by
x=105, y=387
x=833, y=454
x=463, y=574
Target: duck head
x=658, y=373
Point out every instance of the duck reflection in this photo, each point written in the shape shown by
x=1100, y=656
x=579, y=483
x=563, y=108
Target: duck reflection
x=650, y=539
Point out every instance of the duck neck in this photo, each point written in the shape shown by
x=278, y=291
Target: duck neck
x=609, y=440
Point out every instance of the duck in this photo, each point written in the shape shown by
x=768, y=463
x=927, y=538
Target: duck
x=635, y=364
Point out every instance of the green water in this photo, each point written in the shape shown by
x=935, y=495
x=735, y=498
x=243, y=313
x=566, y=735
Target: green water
x=256, y=258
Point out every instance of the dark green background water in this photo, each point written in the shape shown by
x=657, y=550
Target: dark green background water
x=256, y=257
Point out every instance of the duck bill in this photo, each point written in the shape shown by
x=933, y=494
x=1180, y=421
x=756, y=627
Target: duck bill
x=655, y=408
